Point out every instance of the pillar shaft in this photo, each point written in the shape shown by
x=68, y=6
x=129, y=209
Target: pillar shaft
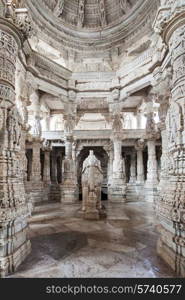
x=36, y=163
x=117, y=189
x=152, y=175
x=46, y=172
x=140, y=167
x=69, y=188
x=14, y=206
x=170, y=207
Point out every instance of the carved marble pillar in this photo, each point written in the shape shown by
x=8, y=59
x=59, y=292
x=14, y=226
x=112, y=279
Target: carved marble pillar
x=171, y=206
x=46, y=172
x=14, y=206
x=117, y=190
x=36, y=164
x=133, y=168
x=151, y=184
x=36, y=186
x=152, y=174
x=69, y=187
x=36, y=129
x=140, y=164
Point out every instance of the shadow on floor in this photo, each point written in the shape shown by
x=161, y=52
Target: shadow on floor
x=53, y=247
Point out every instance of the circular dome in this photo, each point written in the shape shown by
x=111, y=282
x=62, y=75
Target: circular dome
x=91, y=14
x=90, y=25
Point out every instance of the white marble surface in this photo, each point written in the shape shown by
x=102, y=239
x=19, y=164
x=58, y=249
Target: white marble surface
x=68, y=246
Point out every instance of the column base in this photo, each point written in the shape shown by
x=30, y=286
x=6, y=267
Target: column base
x=117, y=193
x=69, y=193
x=14, y=248
x=91, y=215
x=173, y=259
x=151, y=192
x=37, y=191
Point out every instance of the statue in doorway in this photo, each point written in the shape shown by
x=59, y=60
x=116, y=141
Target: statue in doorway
x=92, y=178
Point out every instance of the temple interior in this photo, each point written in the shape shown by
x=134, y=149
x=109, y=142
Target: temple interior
x=92, y=138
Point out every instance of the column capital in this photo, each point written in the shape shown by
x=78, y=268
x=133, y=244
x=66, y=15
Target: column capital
x=46, y=146
x=140, y=145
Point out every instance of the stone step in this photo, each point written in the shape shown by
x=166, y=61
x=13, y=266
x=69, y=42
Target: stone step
x=45, y=216
x=131, y=194
x=44, y=207
x=55, y=193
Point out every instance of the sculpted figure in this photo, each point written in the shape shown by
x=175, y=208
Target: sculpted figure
x=69, y=124
x=92, y=177
x=37, y=129
x=117, y=124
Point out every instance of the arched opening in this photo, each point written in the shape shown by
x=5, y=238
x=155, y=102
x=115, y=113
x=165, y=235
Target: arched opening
x=102, y=156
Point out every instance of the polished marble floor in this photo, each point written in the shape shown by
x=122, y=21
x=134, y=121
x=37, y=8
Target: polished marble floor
x=122, y=245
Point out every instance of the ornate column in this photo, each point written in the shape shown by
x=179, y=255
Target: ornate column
x=14, y=206
x=162, y=95
x=69, y=179
x=69, y=187
x=110, y=171
x=139, y=146
x=36, y=128
x=152, y=174
x=118, y=185
x=117, y=190
x=133, y=168
x=36, y=131
x=36, y=184
x=151, y=136
x=170, y=24
x=36, y=164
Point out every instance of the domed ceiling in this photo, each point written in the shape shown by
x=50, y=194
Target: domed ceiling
x=89, y=26
x=91, y=14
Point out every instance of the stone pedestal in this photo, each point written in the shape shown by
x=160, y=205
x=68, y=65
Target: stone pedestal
x=69, y=193
x=91, y=212
x=14, y=208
